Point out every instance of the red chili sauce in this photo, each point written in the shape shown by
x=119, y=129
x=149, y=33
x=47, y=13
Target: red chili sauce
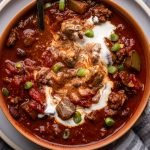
x=26, y=49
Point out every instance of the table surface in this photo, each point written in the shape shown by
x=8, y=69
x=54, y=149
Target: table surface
x=3, y=145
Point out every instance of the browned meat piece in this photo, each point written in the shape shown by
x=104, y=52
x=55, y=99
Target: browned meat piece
x=94, y=49
x=70, y=54
x=110, y=112
x=29, y=37
x=29, y=62
x=10, y=67
x=32, y=20
x=130, y=81
x=69, y=58
x=12, y=38
x=16, y=81
x=84, y=102
x=85, y=92
x=14, y=112
x=31, y=112
x=65, y=109
x=48, y=59
x=91, y=2
x=102, y=13
x=125, y=51
x=92, y=116
x=120, y=27
x=97, y=80
x=7, y=80
x=14, y=100
x=74, y=96
x=116, y=99
x=125, y=112
x=71, y=28
x=78, y=6
x=36, y=106
x=21, y=53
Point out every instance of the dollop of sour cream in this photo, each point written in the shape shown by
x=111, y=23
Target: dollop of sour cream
x=51, y=104
x=101, y=31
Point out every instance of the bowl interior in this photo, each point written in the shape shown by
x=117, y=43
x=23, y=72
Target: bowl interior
x=122, y=130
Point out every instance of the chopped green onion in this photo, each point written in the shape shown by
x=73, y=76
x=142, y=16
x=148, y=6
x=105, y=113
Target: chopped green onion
x=114, y=37
x=82, y=72
x=57, y=67
x=61, y=5
x=116, y=47
x=28, y=85
x=109, y=121
x=112, y=69
x=5, y=92
x=47, y=5
x=77, y=117
x=66, y=134
x=89, y=33
x=18, y=65
x=121, y=67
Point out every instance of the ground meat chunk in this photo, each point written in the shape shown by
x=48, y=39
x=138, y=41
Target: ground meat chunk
x=92, y=116
x=21, y=53
x=109, y=111
x=29, y=37
x=14, y=112
x=85, y=92
x=74, y=96
x=116, y=99
x=12, y=38
x=130, y=81
x=71, y=28
x=48, y=59
x=102, y=13
x=125, y=51
x=14, y=100
x=30, y=111
x=65, y=109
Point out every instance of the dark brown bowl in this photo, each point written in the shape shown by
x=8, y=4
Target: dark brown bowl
x=122, y=130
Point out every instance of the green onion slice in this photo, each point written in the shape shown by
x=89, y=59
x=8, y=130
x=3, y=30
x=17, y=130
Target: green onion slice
x=28, y=85
x=89, y=33
x=109, y=121
x=61, y=5
x=77, y=117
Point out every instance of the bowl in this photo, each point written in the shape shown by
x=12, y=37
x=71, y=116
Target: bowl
x=122, y=130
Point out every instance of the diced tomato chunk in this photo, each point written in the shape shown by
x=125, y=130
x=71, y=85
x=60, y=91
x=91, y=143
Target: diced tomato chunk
x=36, y=95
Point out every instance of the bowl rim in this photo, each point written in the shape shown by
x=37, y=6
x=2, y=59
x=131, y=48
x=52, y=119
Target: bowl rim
x=98, y=144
